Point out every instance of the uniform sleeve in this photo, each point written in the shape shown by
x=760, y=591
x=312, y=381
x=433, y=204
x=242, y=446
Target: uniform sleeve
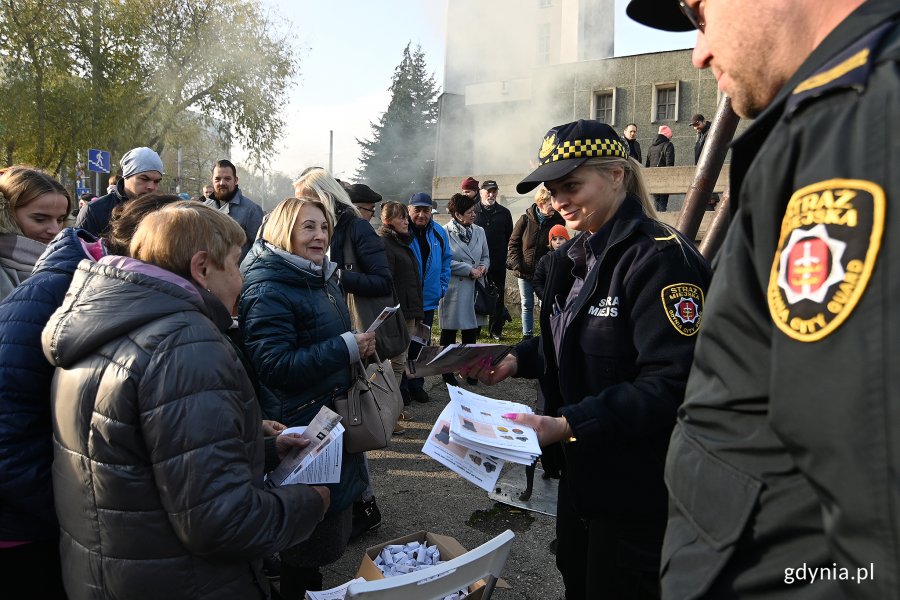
x=194, y=426
x=372, y=275
x=270, y=338
x=647, y=403
x=514, y=250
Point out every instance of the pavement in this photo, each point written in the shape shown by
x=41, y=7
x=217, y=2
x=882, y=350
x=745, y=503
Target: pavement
x=415, y=492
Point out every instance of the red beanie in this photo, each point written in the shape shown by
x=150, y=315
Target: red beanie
x=469, y=183
x=557, y=231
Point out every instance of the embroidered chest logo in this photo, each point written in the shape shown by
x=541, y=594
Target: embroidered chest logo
x=829, y=240
x=607, y=307
x=683, y=304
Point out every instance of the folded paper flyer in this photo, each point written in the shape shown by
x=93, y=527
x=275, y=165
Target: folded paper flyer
x=323, y=432
x=476, y=467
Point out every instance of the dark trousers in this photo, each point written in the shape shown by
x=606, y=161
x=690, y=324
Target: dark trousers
x=416, y=383
x=607, y=557
x=497, y=319
x=469, y=336
x=32, y=571
x=661, y=201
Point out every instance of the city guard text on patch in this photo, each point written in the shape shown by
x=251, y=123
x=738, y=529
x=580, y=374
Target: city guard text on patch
x=683, y=303
x=829, y=241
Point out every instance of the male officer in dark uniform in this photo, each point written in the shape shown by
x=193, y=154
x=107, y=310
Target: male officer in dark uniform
x=783, y=468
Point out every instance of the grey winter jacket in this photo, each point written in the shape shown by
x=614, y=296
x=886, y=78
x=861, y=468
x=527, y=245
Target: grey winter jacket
x=158, y=448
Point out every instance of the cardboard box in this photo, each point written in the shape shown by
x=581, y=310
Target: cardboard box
x=449, y=547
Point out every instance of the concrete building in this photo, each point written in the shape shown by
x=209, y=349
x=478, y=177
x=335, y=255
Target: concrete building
x=515, y=68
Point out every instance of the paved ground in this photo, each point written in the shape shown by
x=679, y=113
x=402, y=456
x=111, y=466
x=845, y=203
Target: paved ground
x=415, y=492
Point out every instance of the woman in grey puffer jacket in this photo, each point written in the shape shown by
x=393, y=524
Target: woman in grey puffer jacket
x=158, y=466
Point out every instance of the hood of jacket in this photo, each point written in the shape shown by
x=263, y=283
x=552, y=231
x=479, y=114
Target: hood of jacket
x=265, y=262
x=660, y=140
x=110, y=298
x=67, y=249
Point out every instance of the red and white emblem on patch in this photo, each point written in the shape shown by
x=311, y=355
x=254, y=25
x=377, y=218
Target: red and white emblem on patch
x=687, y=311
x=683, y=303
x=810, y=264
x=830, y=236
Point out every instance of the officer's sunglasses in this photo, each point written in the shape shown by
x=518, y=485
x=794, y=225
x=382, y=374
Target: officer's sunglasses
x=692, y=15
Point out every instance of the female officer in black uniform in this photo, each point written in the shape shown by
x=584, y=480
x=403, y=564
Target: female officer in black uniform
x=624, y=303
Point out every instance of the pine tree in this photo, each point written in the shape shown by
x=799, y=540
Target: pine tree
x=398, y=159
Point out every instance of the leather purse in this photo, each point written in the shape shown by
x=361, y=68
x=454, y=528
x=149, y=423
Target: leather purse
x=371, y=407
x=486, y=295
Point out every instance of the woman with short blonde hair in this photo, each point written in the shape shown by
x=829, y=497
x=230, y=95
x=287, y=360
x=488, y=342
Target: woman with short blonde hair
x=174, y=448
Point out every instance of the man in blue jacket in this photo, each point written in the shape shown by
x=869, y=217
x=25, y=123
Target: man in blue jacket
x=431, y=246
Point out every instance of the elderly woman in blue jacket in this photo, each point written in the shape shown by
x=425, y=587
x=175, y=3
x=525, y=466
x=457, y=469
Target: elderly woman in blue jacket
x=297, y=336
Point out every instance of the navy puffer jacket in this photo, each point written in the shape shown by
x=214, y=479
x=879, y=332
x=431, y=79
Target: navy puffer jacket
x=371, y=276
x=296, y=335
x=26, y=450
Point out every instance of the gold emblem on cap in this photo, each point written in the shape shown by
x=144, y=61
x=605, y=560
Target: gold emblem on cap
x=548, y=145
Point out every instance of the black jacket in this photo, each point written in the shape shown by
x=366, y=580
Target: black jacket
x=94, y=217
x=786, y=449
x=624, y=359
x=701, y=140
x=529, y=242
x=497, y=223
x=371, y=276
x=405, y=270
x=634, y=148
x=661, y=152
x=158, y=451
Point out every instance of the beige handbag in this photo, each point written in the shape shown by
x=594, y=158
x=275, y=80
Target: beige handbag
x=370, y=409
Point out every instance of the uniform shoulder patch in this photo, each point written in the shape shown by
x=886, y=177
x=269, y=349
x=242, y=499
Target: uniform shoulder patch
x=830, y=237
x=849, y=69
x=683, y=305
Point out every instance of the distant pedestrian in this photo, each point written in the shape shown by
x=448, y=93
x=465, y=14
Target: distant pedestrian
x=469, y=187
x=661, y=154
x=702, y=126
x=630, y=138
x=496, y=220
x=229, y=199
x=526, y=247
x=142, y=170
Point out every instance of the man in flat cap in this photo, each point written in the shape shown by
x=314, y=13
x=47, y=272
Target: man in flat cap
x=229, y=199
x=142, y=170
x=783, y=469
x=496, y=220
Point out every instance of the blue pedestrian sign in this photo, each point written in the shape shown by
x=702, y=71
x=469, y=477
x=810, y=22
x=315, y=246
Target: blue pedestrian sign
x=80, y=191
x=98, y=161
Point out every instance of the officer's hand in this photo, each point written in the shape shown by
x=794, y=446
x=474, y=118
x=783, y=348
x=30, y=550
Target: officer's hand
x=490, y=374
x=549, y=429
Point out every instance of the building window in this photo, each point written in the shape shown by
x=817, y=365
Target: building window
x=605, y=106
x=545, y=3
x=543, y=44
x=665, y=102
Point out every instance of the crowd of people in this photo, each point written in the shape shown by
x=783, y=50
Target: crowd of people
x=152, y=355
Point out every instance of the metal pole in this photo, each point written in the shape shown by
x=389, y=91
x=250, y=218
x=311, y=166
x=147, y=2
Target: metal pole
x=715, y=235
x=330, y=151
x=708, y=168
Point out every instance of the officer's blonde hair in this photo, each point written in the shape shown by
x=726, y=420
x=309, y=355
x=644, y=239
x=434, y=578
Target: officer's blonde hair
x=633, y=180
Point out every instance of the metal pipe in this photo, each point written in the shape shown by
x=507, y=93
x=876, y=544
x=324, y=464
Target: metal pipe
x=715, y=235
x=710, y=164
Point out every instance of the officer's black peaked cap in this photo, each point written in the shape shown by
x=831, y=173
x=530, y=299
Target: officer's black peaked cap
x=567, y=147
x=659, y=14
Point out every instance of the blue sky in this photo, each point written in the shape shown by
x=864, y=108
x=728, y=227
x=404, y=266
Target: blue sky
x=349, y=49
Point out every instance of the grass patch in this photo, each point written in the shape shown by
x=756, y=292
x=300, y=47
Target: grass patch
x=512, y=332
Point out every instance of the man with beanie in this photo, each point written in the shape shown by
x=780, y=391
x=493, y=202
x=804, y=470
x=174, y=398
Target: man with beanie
x=142, y=170
x=227, y=198
x=431, y=246
x=496, y=220
x=782, y=467
x=661, y=154
x=469, y=187
x=701, y=126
